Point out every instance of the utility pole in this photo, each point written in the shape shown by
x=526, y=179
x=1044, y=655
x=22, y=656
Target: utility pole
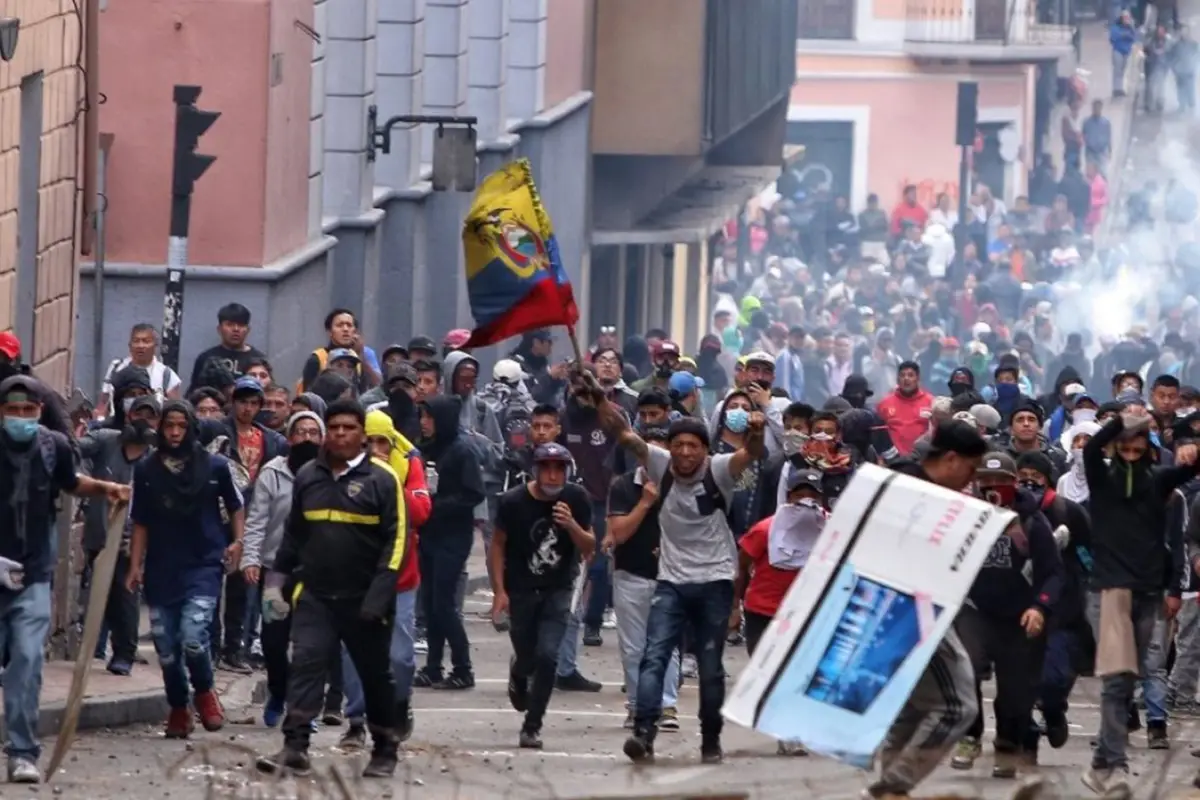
x=190, y=124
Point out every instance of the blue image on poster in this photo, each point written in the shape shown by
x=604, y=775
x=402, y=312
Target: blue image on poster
x=852, y=670
x=876, y=632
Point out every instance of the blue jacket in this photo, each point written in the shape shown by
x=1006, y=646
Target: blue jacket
x=789, y=373
x=1121, y=37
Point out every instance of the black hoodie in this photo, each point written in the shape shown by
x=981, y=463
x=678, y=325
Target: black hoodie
x=459, y=470
x=1000, y=589
x=1131, y=547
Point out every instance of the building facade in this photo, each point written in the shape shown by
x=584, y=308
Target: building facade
x=42, y=122
x=875, y=99
x=294, y=217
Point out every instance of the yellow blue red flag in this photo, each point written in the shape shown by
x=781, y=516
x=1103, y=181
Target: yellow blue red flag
x=515, y=276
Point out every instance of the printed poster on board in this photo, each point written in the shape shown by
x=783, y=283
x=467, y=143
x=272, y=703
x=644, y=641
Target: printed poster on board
x=860, y=623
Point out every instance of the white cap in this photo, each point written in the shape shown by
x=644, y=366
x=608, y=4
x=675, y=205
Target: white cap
x=508, y=371
x=980, y=329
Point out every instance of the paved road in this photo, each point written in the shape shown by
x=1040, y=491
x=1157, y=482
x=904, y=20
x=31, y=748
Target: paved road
x=465, y=747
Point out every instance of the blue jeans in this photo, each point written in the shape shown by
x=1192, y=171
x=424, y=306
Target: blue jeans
x=705, y=609
x=181, y=639
x=595, y=598
x=24, y=623
x=404, y=661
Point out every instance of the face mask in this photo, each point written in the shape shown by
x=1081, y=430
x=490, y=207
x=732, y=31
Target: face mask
x=1077, y=455
x=127, y=403
x=1084, y=415
x=958, y=388
x=737, y=420
x=301, y=453
x=1007, y=391
x=793, y=442
x=20, y=429
x=1154, y=439
x=138, y=432
x=663, y=370
x=1034, y=488
x=1002, y=496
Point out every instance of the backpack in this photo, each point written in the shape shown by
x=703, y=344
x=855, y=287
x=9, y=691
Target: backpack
x=322, y=355
x=712, y=492
x=48, y=448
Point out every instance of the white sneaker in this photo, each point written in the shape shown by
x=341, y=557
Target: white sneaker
x=22, y=770
x=688, y=667
x=486, y=594
x=420, y=646
x=610, y=620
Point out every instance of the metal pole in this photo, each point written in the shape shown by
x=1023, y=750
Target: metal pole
x=91, y=119
x=100, y=223
x=177, y=249
x=964, y=189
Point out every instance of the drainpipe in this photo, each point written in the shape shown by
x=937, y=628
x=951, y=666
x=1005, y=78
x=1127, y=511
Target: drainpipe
x=100, y=200
x=91, y=116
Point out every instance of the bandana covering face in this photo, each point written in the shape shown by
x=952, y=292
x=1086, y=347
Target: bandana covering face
x=794, y=531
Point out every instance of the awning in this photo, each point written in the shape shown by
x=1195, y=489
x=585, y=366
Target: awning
x=695, y=211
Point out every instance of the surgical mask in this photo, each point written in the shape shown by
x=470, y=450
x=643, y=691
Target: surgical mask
x=737, y=420
x=550, y=492
x=20, y=429
x=793, y=442
x=1036, y=489
x=1155, y=439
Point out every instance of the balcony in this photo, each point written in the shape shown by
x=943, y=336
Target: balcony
x=989, y=30
x=679, y=77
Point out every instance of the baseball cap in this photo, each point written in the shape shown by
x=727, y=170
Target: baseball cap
x=761, y=357
x=856, y=385
x=805, y=477
x=667, y=348
x=950, y=343
x=551, y=451
x=403, y=372
x=22, y=384
x=423, y=343
x=997, y=464
x=683, y=384
x=342, y=352
x=508, y=371
x=247, y=384
x=10, y=345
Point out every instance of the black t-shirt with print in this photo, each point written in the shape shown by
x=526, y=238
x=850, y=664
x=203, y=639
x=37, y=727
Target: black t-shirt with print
x=638, y=556
x=538, y=554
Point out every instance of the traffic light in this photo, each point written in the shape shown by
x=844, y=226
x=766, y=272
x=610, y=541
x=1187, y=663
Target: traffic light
x=190, y=124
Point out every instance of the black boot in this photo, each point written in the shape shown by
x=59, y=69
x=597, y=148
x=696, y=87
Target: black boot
x=640, y=747
x=288, y=760
x=404, y=714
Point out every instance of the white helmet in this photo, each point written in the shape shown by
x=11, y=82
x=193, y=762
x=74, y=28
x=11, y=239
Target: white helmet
x=508, y=371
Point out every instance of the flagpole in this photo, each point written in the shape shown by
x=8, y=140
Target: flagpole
x=588, y=378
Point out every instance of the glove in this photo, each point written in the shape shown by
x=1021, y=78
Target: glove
x=274, y=607
x=12, y=575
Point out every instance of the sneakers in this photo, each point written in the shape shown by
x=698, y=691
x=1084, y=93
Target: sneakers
x=629, y=722
x=332, y=718
x=965, y=752
x=381, y=765
x=688, y=668
x=518, y=691
x=119, y=666
x=530, y=740
x=273, y=711
x=456, y=682
x=575, y=682
x=424, y=679
x=234, y=663
x=23, y=770
x=639, y=749
x=592, y=637
x=1057, y=730
x=1004, y=765
x=285, y=761
x=1104, y=781
x=610, y=620
x=179, y=724
x=208, y=706
x=420, y=645
x=710, y=751
x=354, y=739
x=1134, y=720
x=1156, y=736
x=669, y=721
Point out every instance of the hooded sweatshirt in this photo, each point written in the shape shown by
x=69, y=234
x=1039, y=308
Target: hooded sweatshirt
x=405, y=461
x=479, y=421
x=1130, y=546
x=1000, y=588
x=460, y=474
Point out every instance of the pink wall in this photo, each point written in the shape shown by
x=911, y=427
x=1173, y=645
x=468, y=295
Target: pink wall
x=288, y=107
x=148, y=46
x=912, y=122
x=568, y=38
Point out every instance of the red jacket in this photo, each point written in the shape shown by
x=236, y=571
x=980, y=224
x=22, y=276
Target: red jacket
x=418, y=504
x=906, y=417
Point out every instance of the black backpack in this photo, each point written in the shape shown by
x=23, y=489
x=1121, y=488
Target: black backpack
x=712, y=492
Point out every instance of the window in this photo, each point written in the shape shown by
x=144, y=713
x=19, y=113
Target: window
x=28, y=174
x=826, y=19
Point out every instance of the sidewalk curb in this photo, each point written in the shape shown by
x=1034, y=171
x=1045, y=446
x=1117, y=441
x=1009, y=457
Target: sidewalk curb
x=136, y=708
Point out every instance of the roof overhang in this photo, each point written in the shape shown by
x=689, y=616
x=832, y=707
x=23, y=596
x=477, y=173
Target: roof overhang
x=696, y=210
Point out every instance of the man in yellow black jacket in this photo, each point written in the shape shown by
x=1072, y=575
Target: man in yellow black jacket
x=344, y=543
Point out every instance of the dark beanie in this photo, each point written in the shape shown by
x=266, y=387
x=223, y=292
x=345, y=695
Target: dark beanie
x=1039, y=461
x=691, y=425
x=1031, y=405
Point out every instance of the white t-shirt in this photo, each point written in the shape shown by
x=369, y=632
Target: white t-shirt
x=162, y=378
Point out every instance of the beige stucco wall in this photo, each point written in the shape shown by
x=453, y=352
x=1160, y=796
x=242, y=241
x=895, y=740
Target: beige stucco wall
x=49, y=42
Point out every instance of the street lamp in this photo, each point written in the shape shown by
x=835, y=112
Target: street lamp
x=453, y=146
x=9, y=28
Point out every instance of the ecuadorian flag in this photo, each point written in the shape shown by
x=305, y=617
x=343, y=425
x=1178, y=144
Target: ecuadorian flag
x=515, y=276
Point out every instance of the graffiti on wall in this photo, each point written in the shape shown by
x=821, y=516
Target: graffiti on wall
x=928, y=191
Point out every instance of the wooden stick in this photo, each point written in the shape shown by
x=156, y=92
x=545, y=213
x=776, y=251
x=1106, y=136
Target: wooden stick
x=102, y=577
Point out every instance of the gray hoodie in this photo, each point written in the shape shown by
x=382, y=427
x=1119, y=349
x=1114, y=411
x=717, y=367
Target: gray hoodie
x=268, y=513
x=479, y=420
